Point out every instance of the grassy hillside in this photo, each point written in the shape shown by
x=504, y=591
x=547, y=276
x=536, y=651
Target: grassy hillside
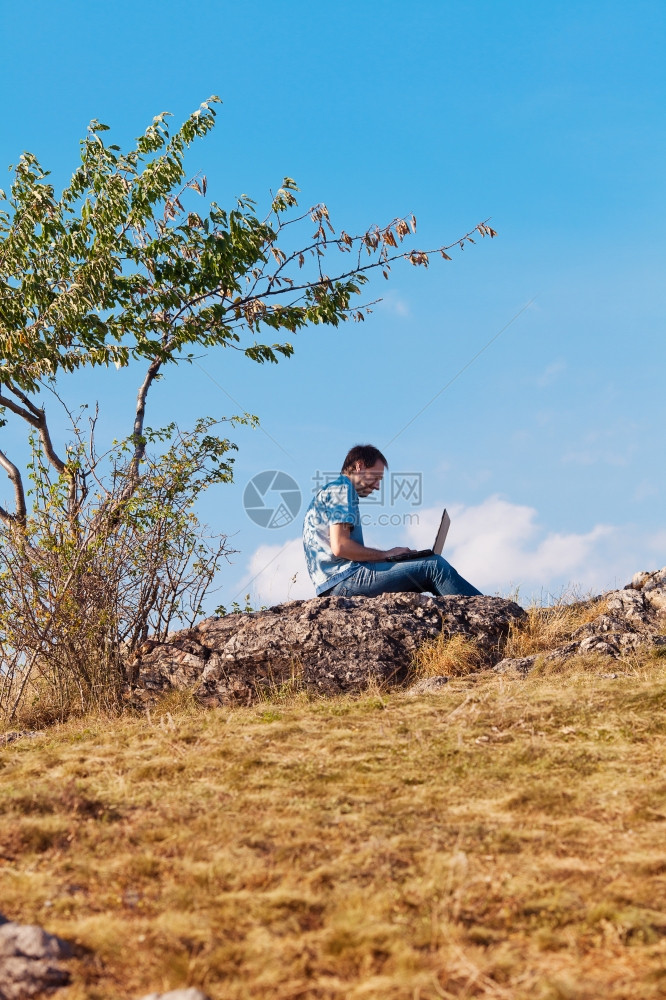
x=503, y=839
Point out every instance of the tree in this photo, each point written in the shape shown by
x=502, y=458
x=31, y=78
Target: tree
x=121, y=270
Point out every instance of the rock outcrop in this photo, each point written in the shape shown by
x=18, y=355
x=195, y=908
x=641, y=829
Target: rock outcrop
x=633, y=618
x=331, y=644
x=29, y=960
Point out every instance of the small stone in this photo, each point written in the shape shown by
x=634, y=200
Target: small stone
x=27, y=961
x=598, y=626
x=515, y=665
x=628, y=604
x=595, y=644
x=656, y=580
x=31, y=941
x=429, y=685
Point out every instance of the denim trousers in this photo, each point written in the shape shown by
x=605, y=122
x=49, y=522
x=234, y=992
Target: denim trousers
x=433, y=574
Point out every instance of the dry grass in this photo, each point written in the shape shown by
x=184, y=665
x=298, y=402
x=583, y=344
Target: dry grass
x=503, y=840
x=551, y=626
x=447, y=656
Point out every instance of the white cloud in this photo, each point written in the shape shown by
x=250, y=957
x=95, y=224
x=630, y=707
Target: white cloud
x=271, y=571
x=497, y=545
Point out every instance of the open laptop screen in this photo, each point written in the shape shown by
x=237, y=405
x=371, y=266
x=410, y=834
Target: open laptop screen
x=438, y=545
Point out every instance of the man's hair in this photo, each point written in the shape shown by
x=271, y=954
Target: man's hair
x=365, y=453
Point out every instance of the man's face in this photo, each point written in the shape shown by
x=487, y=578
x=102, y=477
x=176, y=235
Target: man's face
x=366, y=481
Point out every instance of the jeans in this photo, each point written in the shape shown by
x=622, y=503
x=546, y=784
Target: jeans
x=433, y=574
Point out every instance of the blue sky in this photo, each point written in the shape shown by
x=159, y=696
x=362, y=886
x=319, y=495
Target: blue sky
x=547, y=119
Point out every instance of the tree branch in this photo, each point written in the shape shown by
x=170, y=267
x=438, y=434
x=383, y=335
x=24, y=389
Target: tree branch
x=112, y=506
x=19, y=493
x=137, y=432
x=381, y=247
x=36, y=417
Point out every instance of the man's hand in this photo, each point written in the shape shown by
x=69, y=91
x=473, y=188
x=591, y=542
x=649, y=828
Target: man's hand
x=343, y=547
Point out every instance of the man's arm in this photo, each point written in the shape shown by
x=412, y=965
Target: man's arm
x=344, y=547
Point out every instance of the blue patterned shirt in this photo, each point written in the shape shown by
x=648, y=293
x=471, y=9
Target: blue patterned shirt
x=334, y=503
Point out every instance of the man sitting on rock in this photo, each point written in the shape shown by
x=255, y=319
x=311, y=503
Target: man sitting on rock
x=341, y=565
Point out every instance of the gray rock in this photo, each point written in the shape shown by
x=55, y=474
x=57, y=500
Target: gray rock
x=429, y=685
x=637, y=581
x=629, y=605
x=515, y=665
x=333, y=645
x=31, y=941
x=653, y=587
x=605, y=645
x=654, y=590
x=330, y=644
x=599, y=626
x=28, y=963
x=632, y=620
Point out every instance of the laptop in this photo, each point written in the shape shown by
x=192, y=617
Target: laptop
x=436, y=550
